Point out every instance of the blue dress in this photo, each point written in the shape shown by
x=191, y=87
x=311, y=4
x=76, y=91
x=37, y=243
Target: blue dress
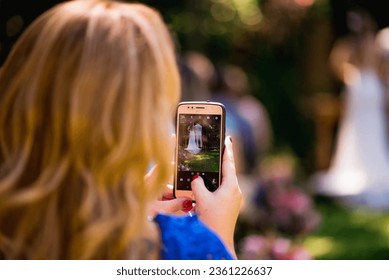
x=187, y=238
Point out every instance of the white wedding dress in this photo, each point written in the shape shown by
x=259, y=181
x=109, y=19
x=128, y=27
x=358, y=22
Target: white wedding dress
x=359, y=171
x=192, y=144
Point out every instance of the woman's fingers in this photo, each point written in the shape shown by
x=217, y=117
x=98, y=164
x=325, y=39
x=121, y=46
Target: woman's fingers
x=219, y=209
x=228, y=163
x=172, y=206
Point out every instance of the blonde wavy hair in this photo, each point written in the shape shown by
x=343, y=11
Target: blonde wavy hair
x=86, y=99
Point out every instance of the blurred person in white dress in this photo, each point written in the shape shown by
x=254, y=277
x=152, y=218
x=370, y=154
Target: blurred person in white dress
x=359, y=169
x=383, y=43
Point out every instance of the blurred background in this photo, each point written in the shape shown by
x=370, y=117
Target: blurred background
x=269, y=62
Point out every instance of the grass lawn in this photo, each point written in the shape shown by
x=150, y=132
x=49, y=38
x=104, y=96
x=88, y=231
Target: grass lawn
x=353, y=234
x=207, y=161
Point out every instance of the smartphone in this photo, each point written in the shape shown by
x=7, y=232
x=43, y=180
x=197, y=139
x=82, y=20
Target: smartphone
x=200, y=133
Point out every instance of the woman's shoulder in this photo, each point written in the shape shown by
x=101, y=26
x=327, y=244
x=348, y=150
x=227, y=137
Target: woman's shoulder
x=187, y=238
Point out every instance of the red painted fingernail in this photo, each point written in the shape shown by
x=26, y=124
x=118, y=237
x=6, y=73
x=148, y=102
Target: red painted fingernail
x=231, y=139
x=195, y=177
x=187, y=205
x=167, y=197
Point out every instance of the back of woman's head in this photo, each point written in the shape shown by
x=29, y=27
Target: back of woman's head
x=86, y=99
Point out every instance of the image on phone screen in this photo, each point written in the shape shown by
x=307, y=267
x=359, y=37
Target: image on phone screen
x=198, y=150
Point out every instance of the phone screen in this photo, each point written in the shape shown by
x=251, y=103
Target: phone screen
x=198, y=150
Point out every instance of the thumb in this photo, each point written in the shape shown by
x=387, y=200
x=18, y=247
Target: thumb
x=198, y=187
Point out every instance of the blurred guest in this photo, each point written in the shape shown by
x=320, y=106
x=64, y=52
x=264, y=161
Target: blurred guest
x=359, y=168
x=196, y=71
x=251, y=109
x=198, y=78
x=227, y=86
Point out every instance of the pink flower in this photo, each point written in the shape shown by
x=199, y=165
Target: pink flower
x=254, y=247
x=299, y=253
x=298, y=201
x=280, y=248
x=257, y=247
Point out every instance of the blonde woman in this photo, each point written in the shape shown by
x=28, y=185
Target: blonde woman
x=87, y=97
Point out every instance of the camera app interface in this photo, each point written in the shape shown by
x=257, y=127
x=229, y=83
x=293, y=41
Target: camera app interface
x=198, y=150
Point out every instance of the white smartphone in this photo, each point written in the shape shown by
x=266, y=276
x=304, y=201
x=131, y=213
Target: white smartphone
x=200, y=133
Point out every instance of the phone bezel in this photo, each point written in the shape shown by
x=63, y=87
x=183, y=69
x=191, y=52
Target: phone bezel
x=200, y=108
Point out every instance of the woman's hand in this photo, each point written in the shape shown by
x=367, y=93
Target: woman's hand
x=219, y=210
x=167, y=203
